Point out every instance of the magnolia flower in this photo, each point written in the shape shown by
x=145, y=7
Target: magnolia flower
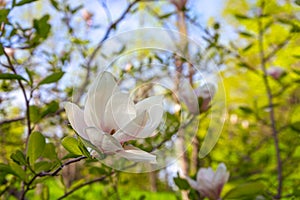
x=275, y=72
x=110, y=118
x=210, y=183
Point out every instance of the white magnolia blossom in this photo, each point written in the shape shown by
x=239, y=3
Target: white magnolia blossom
x=210, y=183
x=110, y=118
x=275, y=72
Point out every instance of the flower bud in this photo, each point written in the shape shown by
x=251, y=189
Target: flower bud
x=275, y=72
x=10, y=52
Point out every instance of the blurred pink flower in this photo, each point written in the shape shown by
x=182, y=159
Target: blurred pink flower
x=111, y=118
x=210, y=183
x=87, y=16
x=275, y=72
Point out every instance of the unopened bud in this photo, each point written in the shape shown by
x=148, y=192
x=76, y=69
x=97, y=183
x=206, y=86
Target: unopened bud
x=10, y=52
x=275, y=72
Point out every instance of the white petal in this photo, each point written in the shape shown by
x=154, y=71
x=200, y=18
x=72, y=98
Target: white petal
x=137, y=156
x=132, y=129
x=103, y=141
x=188, y=96
x=154, y=106
x=98, y=95
x=118, y=112
x=205, y=174
x=221, y=176
x=76, y=118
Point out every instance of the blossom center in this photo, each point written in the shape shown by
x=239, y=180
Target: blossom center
x=112, y=132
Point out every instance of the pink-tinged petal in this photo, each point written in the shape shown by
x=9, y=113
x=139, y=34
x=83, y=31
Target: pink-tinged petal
x=137, y=155
x=206, y=174
x=75, y=116
x=98, y=95
x=193, y=183
x=118, y=112
x=132, y=129
x=221, y=177
x=188, y=96
x=103, y=141
x=154, y=106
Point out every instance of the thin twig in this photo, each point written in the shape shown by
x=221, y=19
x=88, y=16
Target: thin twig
x=7, y=121
x=54, y=173
x=100, y=44
x=270, y=102
x=85, y=184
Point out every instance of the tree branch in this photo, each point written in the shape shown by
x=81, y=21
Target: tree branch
x=270, y=102
x=85, y=184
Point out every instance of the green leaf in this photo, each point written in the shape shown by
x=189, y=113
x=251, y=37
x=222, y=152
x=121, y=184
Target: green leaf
x=52, y=107
x=295, y=126
x=44, y=166
x=3, y=14
x=6, y=169
x=18, y=171
x=19, y=158
x=246, y=109
x=42, y=27
x=245, y=34
x=71, y=145
x=7, y=76
x=181, y=183
x=24, y=2
x=297, y=2
x=35, y=114
x=30, y=75
x=50, y=152
x=240, y=16
x=52, y=78
x=36, y=146
x=246, y=190
x=55, y=4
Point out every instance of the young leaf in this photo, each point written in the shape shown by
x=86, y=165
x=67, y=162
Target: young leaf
x=52, y=107
x=297, y=2
x=181, y=183
x=71, y=145
x=3, y=14
x=18, y=157
x=49, y=152
x=35, y=114
x=36, y=146
x=42, y=27
x=52, y=78
x=7, y=76
x=24, y=2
